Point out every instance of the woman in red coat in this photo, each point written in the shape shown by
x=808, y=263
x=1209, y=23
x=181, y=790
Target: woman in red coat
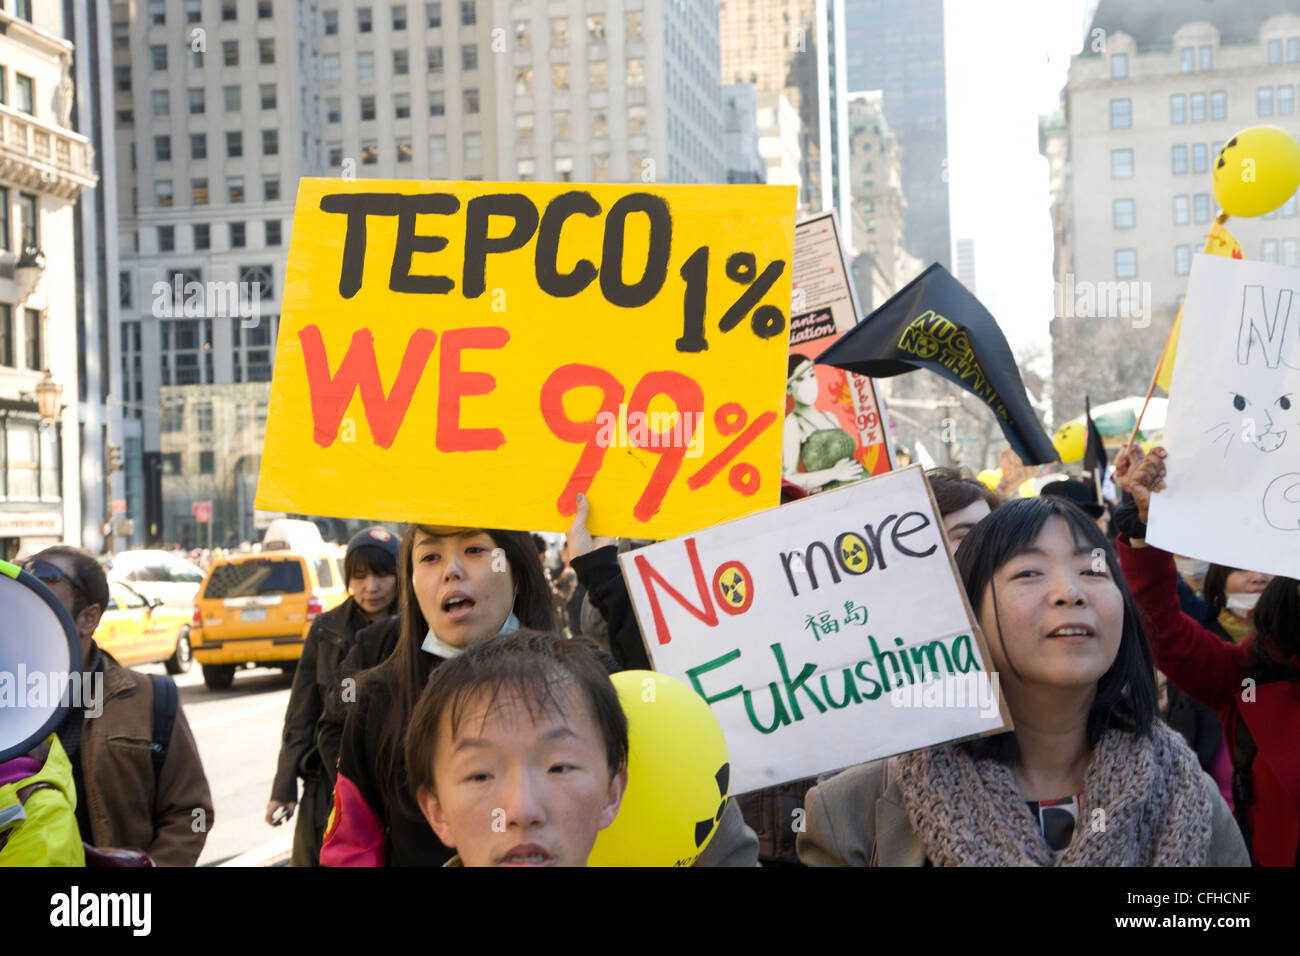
x=1254, y=685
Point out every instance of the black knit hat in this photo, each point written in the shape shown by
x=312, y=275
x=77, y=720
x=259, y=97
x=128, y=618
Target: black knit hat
x=376, y=537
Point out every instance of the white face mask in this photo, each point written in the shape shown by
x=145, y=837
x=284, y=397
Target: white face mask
x=1191, y=568
x=1242, y=605
x=436, y=646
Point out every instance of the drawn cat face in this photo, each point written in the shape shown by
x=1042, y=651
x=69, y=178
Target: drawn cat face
x=1256, y=416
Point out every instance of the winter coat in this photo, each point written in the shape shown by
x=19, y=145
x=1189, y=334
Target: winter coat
x=365, y=648
x=38, y=822
x=598, y=571
x=1222, y=676
x=171, y=822
x=315, y=681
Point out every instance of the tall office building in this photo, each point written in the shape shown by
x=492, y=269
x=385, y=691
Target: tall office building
x=898, y=48
x=1146, y=112
x=45, y=165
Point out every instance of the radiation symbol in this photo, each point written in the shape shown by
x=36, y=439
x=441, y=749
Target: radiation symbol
x=705, y=827
x=854, y=556
x=733, y=586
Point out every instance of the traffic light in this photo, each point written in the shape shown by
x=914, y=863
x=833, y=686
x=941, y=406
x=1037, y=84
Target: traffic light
x=114, y=457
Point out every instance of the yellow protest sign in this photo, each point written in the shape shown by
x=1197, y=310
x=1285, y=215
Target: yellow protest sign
x=477, y=354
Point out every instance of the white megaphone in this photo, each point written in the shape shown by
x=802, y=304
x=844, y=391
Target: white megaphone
x=40, y=656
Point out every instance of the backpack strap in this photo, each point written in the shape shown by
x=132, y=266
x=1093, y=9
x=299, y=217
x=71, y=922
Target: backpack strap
x=1244, y=750
x=165, y=701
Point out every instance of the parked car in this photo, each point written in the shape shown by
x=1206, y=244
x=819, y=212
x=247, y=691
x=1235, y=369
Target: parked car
x=137, y=630
x=158, y=574
x=256, y=608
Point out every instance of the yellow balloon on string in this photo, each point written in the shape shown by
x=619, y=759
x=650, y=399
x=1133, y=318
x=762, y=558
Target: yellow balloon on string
x=1256, y=171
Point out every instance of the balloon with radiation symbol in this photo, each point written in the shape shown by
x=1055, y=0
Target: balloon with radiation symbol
x=1256, y=171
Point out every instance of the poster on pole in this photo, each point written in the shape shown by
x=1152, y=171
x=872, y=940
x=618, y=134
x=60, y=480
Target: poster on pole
x=478, y=354
x=823, y=633
x=1233, y=424
x=835, y=431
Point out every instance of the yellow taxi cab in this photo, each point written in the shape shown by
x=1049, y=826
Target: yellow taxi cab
x=136, y=630
x=257, y=608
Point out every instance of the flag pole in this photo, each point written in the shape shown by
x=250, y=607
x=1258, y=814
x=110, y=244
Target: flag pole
x=1220, y=220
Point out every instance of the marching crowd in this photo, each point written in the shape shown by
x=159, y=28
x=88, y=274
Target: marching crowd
x=457, y=710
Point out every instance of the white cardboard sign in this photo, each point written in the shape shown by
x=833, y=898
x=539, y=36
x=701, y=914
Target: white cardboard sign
x=1233, y=426
x=824, y=633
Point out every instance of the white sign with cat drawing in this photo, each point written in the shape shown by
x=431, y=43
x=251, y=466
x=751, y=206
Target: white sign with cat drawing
x=1233, y=431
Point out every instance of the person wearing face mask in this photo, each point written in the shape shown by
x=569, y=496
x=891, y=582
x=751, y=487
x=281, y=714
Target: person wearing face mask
x=370, y=568
x=1067, y=643
x=1231, y=595
x=817, y=453
x=1254, y=685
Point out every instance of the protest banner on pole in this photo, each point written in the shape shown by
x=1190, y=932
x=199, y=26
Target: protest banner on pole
x=1233, y=424
x=477, y=354
x=824, y=633
x=833, y=418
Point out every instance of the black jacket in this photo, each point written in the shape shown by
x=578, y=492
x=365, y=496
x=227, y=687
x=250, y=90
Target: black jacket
x=363, y=649
x=599, y=573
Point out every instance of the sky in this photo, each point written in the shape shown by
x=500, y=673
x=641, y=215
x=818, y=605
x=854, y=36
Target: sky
x=1007, y=61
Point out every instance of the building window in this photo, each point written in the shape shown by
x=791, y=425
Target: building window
x=437, y=150
x=404, y=150
x=1264, y=101
x=1293, y=50
x=600, y=167
x=271, y=188
x=1125, y=263
x=559, y=31
x=157, y=13
x=162, y=149
x=433, y=15
x=166, y=238
x=193, y=11
x=1274, y=52
x=524, y=126
x=1268, y=251
x=1188, y=59
x=1179, y=160
x=402, y=105
x=329, y=68
x=468, y=13
x=1182, y=260
x=1121, y=114
x=1198, y=107
x=468, y=56
x=122, y=75
x=270, y=142
x=234, y=189
x=230, y=52
x=563, y=169
x=162, y=192
x=559, y=76
x=1178, y=108
x=636, y=72
x=437, y=103
x=1207, y=58
x=1182, y=210
x=526, y=170
x=1201, y=210
x=1285, y=100
x=1121, y=164
x=636, y=122
x=471, y=102
x=597, y=75
x=560, y=124
x=1288, y=209
x=335, y=155
x=595, y=28
x=198, y=146
x=234, y=145
x=35, y=354
x=26, y=93
x=7, y=335
x=267, y=92
x=260, y=279
x=202, y=236
x=124, y=297
x=433, y=56
x=523, y=80
x=124, y=117
x=599, y=123
x=1118, y=66
x=401, y=62
x=473, y=147
x=266, y=51
x=333, y=109
x=229, y=10
x=369, y=152
x=1219, y=105
x=198, y=101
x=230, y=95
x=158, y=58
x=1200, y=158
x=160, y=103
x=521, y=34
x=1124, y=213
x=367, y=108
x=236, y=235
x=365, y=22
x=1291, y=252
x=399, y=16
x=365, y=66
x=331, y=20
x=264, y=11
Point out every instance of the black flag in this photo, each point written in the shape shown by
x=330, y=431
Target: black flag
x=934, y=323
x=1094, y=458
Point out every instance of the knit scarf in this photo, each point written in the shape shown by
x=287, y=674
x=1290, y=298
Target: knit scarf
x=1155, y=807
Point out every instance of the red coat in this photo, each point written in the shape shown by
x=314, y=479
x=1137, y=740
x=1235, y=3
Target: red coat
x=1201, y=664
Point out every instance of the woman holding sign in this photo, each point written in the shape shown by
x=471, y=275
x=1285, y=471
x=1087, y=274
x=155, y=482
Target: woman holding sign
x=1090, y=776
x=1254, y=685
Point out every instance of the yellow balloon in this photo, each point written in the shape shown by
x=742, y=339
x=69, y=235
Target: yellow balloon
x=1256, y=171
x=1071, y=441
x=1026, y=489
x=990, y=478
x=678, y=776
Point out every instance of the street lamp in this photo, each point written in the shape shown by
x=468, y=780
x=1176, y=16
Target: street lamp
x=48, y=393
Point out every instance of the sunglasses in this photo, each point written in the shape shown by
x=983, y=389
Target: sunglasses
x=48, y=573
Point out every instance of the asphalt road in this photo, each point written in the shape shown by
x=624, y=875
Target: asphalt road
x=238, y=733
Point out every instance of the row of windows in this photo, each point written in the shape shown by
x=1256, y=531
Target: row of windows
x=229, y=56
x=238, y=236
x=156, y=13
x=1191, y=58
x=199, y=193
x=1178, y=103
x=160, y=105
x=562, y=126
x=162, y=145
x=1265, y=101
x=1285, y=251
x=1195, y=158
x=32, y=351
x=432, y=17
x=24, y=91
